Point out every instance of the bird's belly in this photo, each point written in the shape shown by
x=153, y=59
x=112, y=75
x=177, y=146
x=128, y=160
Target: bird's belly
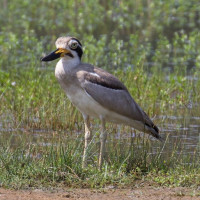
x=87, y=105
x=84, y=103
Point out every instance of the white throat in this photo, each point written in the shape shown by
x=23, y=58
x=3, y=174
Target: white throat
x=69, y=63
x=65, y=65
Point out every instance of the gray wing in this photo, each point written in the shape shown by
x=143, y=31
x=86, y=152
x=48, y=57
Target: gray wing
x=118, y=101
x=108, y=91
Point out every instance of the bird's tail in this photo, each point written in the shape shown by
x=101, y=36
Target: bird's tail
x=154, y=131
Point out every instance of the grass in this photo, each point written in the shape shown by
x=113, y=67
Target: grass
x=31, y=99
x=154, y=50
x=55, y=157
x=59, y=164
x=40, y=102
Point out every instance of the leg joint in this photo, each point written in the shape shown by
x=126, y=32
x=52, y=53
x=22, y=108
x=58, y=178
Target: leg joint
x=87, y=135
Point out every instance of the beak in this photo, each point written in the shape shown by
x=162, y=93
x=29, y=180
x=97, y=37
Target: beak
x=55, y=54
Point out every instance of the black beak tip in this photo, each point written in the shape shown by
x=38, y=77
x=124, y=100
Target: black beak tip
x=52, y=56
x=45, y=59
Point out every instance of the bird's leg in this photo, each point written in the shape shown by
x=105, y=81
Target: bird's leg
x=87, y=139
x=103, y=137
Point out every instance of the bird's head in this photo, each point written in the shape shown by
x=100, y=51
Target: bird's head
x=67, y=47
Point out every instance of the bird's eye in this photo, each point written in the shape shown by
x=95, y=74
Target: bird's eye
x=73, y=45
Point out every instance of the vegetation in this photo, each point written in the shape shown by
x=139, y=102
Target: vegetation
x=152, y=46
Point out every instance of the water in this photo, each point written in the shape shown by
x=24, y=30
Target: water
x=182, y=132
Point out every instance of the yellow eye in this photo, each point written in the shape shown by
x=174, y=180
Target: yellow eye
x=73, y=45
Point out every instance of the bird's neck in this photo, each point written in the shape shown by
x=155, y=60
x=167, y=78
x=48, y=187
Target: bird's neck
x=69, y=63
x=65, y=66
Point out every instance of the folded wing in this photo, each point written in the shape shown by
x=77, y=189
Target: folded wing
x=108, y=91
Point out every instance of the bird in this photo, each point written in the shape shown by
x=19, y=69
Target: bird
x=96, y=93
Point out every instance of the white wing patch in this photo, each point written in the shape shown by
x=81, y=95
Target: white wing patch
x=94, y=74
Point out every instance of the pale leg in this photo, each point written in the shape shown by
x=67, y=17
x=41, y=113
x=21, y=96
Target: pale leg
x=87, y=139
x=103, y=137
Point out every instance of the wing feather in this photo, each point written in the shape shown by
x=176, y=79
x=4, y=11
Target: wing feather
x=108, y=91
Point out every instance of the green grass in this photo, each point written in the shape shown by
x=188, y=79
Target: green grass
x=151, y=46
x=32, y=98
x=35, y=101
x=59, y=164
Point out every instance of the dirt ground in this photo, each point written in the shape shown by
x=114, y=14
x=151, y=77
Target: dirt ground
x=110, y=193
